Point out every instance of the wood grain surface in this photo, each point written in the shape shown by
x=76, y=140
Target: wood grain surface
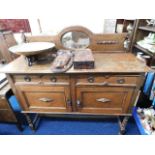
x=104, y=63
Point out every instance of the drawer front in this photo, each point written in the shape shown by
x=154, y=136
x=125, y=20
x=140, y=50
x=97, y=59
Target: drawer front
x=41, y=79
x=45, y=98
x=107, y=80
x=48, y=99
x=106, y=100
x=26, y=78
x=55, y=79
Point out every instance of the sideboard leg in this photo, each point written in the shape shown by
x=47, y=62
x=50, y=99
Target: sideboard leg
x=36, y=121
x=123, y=124
x=30, y=122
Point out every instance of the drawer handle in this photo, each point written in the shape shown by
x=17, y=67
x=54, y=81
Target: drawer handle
x=90, y=79
x=121, y=81
x=53, y=79
x=44, y=99
x=27, y=79
x=103, y=100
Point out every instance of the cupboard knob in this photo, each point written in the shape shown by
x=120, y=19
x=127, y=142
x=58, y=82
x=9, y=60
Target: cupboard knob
x=91, y=79
x=27, y=78
x=78, y=103
x=53, y=79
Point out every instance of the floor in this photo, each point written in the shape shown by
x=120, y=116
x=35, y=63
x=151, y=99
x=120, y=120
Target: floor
x=69, y=126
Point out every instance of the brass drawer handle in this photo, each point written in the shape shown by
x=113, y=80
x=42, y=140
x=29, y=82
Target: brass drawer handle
x=91, y=79
x=53, y=79
x=103, y=100
x=27, y=79
x=44, y=99
x=121, y=81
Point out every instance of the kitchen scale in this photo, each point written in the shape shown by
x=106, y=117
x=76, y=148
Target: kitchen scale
x=32, y=50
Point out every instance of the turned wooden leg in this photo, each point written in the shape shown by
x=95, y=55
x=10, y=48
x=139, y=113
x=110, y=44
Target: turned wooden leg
x=123, y=124
x=36, y=120
x=30, y=122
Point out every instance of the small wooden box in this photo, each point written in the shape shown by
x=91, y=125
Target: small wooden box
x=83, y=59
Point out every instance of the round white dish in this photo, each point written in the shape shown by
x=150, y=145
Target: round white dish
x=33, y=48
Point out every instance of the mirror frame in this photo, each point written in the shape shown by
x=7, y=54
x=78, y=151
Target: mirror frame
x=77, y=29
x=99, y=42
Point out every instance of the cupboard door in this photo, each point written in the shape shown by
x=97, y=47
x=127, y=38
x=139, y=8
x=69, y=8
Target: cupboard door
x=45, y=98
x=103, y=100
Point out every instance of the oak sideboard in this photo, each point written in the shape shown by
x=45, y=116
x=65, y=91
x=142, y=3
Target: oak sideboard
x=111, y=88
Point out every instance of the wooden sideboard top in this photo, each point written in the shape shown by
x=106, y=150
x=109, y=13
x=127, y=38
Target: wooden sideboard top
x=104, y=63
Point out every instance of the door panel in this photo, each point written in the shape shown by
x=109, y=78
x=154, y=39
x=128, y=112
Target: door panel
x=108, y=100
x=45, y=98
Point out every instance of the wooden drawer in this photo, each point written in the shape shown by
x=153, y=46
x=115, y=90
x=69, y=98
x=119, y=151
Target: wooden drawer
x=107, y=80
x=55, y=79
x=106, y=100
x=26, y=78
x=41, y=79
x=50, y=98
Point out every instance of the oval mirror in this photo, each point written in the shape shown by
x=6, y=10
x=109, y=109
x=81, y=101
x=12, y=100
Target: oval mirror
x=75, y=40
